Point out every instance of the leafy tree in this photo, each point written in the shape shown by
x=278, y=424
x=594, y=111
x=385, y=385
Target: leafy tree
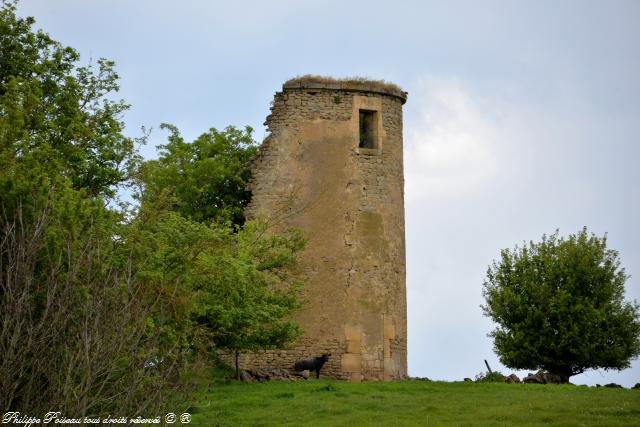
x=236, y=278
x=205, y=180
x=245, y=292
x=76, y=322
x=218, y=287
x=165, y=248
x=559, y=305
x=57, y=112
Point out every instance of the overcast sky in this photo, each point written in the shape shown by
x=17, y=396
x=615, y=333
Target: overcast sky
x=522, y=117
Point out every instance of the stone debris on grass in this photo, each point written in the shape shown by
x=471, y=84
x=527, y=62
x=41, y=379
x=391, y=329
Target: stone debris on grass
x=512, y=379
x=542, y=377
x=248, y=375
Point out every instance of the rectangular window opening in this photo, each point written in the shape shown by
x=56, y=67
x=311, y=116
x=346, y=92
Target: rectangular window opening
x=367, y=129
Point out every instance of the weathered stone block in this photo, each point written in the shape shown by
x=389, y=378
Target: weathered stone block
x=351, y=362
x=353, y=346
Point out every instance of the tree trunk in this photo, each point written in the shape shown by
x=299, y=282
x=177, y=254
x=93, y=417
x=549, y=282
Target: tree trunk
x=564, y=374
x=237, y=365
x=564, y=377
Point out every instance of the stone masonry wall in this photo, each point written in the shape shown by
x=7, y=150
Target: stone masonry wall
x=284, y=359
x=311, y=174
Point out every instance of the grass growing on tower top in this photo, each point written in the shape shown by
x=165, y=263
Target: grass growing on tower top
x=312, y=78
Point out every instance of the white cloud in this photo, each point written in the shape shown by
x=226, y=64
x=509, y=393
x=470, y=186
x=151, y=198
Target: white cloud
x=450, y=145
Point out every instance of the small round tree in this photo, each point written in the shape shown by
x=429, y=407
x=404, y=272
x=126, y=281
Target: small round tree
x=559, y=305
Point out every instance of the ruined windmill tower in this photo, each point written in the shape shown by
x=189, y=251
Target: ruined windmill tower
x=332, y=166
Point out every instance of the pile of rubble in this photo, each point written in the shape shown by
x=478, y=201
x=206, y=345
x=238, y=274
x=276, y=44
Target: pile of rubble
x=272, y=375
x=540, y=377
x=543, y=377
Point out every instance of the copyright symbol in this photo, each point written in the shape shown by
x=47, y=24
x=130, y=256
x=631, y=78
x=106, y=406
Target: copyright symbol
x=185, y=418
x=170, y=418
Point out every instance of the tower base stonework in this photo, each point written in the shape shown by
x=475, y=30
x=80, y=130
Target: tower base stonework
x=332, y=166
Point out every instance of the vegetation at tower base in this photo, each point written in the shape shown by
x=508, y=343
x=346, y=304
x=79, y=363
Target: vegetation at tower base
x=247, y=303
x=236, y=274
x=559, y=305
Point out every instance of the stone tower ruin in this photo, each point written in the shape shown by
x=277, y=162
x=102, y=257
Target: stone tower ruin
x=331, y=165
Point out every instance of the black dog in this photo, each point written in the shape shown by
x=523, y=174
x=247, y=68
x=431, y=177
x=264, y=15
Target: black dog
x=312, y=364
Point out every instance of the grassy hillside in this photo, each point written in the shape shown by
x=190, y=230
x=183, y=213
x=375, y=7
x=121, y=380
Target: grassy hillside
x=409, y=403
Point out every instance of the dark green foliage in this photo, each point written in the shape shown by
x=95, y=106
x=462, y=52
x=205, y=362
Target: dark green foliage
x=245, y=294
x=559, y=305
x=218, y=287
x=204, y=180
x=234, y=277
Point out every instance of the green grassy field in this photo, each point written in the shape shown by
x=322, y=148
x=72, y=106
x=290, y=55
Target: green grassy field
x=413, y=403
